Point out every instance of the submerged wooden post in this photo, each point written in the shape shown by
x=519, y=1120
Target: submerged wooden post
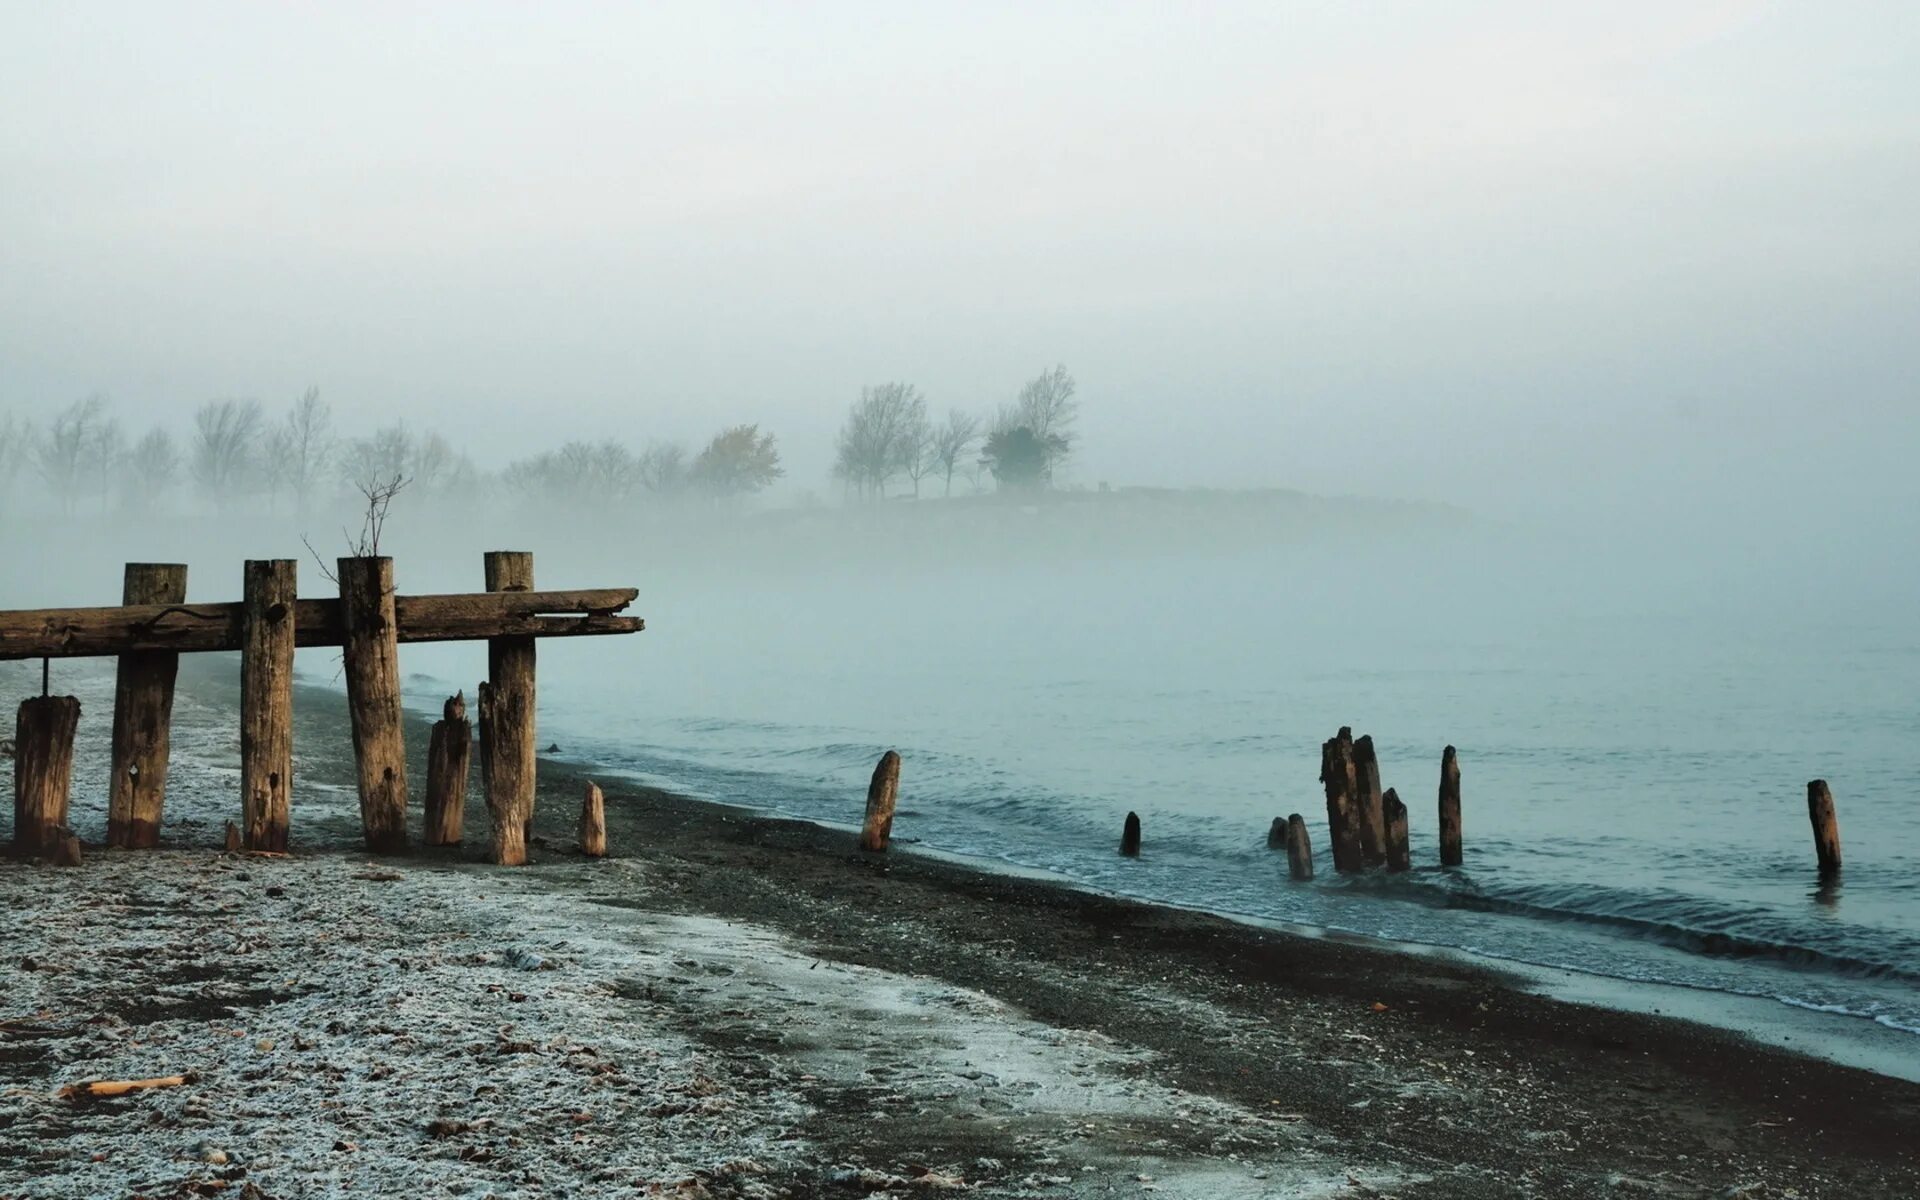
x=42, y=772
x=266, y=702
x=502, y=714
x=371, y=654
x=1826, y=826
x=1130, y=836
x=449, y=753
x=1299, y=847
x=593, y=822
x=1336, y=772
x=1369, y=802
x=1450, y=855
x=882, y=791
x=142, y=716
x=510, y=662
x=1277, y=834
x=1399, y=853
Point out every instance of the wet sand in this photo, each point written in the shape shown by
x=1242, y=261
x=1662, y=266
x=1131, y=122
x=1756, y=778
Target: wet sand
x=739, y=1005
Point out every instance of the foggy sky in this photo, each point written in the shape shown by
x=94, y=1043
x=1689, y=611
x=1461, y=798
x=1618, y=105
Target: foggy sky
x=1516, y=256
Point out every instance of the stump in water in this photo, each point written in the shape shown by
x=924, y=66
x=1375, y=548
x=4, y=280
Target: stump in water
x=510, y=669
x=1826, y=826
x=42, y=771
x=1336, y=772
x=593, y=822
x=1369, y=803
x=67, y=852
x=1299, y=847
x=371, y=655
x=1277, y=834
x=503, y=715
x=266, y=703
x=449, y=753
x=142, y=716
x=1130, y=836
x=1399, y=854
x=882, y=792
x=1450, y=855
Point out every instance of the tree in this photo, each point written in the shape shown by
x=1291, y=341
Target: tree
x=1046, y=408
x=737, y=462
x=1019, y=457
x=104, y=448
x=950, y=442
x=16, y=443
x=307, y=443
x=65, y=454
x=225, y=435
x=150, y=467
x=885, y=428
x=662, y=468
x=385, y=454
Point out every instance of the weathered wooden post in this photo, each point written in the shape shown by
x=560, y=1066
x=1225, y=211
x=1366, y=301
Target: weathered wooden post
x=502, y=714
x=1399, y=853
x=142, y=716
x=510, y=663
x=371, y=653
x=1277, y=834
x=1299, y=847
x=1369, y=802
x=593, y=822
x=449, y=753
x=42, y=772
x=1336, y=772
x=1450, y=855
x=1130, y=836
x=1826, y=826
x=882, y=791
x=266, y=702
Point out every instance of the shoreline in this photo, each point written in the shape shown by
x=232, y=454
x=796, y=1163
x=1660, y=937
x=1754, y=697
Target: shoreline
x=866, y=1023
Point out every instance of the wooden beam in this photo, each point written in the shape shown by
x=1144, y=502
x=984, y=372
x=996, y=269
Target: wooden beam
x=190, y=628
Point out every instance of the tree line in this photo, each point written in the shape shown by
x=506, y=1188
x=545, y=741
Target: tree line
x=889, y=437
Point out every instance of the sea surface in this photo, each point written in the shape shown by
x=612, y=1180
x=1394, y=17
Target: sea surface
x=1636, y=729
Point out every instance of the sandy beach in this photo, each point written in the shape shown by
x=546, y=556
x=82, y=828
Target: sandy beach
x=740, y=1005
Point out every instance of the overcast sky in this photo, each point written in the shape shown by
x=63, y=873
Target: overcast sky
x=1508, y=254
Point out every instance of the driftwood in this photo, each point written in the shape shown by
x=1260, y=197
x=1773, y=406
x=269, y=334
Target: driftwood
x=266, y=703
x=1299, y=848
x=119, y=1087
x=42, y=771
x=1370, y=803
x=449, y=754
x=876, y=829
x=372, y=668
x=510, y=669
x=1450, y=852
x=186, y=628
x=1399, y=854
x=1130, y=836
x=142, y=716
x=593, y=822
x=1826, y=826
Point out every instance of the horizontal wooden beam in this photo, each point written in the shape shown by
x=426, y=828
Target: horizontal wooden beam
x=188, y=628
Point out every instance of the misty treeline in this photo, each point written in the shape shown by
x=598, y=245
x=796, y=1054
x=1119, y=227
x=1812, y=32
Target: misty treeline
x=239, y=453
x=890, y=438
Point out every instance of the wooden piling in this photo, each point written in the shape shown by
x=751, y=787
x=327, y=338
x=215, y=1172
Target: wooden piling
x=449, y=754
x=1336, y=772
x=142, y=716
x=66, y=850
x=1450, y=854
x=510, y=669
x=876, y=830
x=502, y=714
x=1277, y=834
x=233, y=842
x=593, y=822
x=266, y=702
x=1299, y=848
x=1369, y=802
x=1399, y=853
x=1130, y=836
x=372, y=666
x=1826, y=826
x=42, y=772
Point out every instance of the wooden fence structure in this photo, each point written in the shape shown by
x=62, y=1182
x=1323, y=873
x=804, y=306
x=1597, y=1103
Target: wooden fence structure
x=154, y=625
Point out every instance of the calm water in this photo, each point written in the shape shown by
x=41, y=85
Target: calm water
x=1635, y=737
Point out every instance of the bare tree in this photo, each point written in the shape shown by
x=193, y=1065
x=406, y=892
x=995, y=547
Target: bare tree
x=950, y=442
x=16, y=443
x=1046, y=408
x=387, y=454
x=662, y=468
x=226, y=434
x=149, y=468
x=306, y=441
x=885, y=427
x=104, y=448
x=65, y=453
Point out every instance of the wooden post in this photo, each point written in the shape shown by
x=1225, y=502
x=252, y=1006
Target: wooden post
x=266, y=702
x=372, y=666
x=1336, y=772
x=1130, y=836
x=142, y=715
x=1277, y=834
x=67, y=852
x=1450, y=855
x=234, y=843
x=882, y=791
x=1399, y=854
x=1370, y=803
x=510, y=663
x=502, y=714
x=1299, y=847
x=1826, y=826
x=593, y=822
x=42, y=772
x=448, y=755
